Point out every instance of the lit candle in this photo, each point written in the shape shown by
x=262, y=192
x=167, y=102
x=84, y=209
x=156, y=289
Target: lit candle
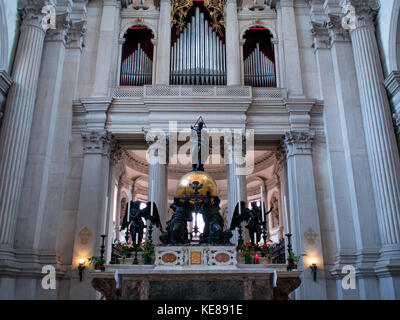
x=152, y=197
x=262, y=203
x=257, y=259
x=129, y=203
x=105, y=217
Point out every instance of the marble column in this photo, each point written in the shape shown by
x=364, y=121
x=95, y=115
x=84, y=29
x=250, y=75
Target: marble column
x=5, y=84
x=158, y=181
x=237, y=188
x=382, y=148
x=392, y=84
x=233, y=63
x=304, y=217
x=17, y=122
x=291, y=51
x=107, y=48
x=164, y=43
x=31, y=219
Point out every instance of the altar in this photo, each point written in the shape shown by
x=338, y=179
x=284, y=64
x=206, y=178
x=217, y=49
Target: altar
x=243, y=282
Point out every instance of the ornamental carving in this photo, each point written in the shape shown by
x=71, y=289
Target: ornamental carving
x=97, y=142
x=299, y=143
x=85, y=235
x=310, y=236
x=216, y=9
x=169, y=258
x=222, y=257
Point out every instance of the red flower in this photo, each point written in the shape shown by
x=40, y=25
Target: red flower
x=247, y=243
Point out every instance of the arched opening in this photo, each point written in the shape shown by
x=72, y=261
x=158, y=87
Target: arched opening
x=198, y=49
x=259, y=58
x=137, y=57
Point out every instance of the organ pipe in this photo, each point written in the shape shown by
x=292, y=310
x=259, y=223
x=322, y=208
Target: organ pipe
x=137, y=69
x=198, y=55
x=259, y=71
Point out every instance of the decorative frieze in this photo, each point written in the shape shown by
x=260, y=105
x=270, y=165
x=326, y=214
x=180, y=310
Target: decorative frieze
x=184, y=256
x=299, y=143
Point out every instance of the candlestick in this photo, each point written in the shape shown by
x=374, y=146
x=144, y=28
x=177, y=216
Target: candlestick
x=152, y=197
x=262, y=204
x=129, y=203
x=238, y=192
x=286, y=214
x=105, y=217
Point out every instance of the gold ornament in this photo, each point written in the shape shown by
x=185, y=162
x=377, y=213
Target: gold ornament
x=209, y=184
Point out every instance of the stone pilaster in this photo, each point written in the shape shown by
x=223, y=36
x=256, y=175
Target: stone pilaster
x=17, y=123
x=164, y=43
x=345, y=245
x=381, y=143
x=291, y=50
x=233, y=62
x=304, y=217
x=392, y=84
x=107, y=48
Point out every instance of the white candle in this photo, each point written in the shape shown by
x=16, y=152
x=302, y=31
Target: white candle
x=105, y=217
x=137, y=238
x=152, y=197
x=262, y=203
x=238, y=192
x=255, y=238
x=286, y=214
x=129, y=203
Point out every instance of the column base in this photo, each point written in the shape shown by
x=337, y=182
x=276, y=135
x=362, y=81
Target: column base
x=387, y=270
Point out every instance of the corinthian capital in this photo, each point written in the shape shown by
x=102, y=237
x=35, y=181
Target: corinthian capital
x=320, y=33
x=365, y=10
x=299, y=142
x=30, y=11
x=97, y=142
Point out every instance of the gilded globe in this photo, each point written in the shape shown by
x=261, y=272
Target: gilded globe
x=209, y=185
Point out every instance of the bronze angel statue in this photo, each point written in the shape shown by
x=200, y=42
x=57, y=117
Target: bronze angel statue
x=254, y=219
x=136, y=225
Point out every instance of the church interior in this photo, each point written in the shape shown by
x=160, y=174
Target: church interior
x=199, y=150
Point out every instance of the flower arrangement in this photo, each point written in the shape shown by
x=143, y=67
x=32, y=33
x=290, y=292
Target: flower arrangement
x=148, y=251
x=267, y=249
x=124, y=249
x=248, y=249
x=98, y=262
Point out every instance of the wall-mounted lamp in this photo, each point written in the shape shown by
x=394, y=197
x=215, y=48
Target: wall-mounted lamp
x=81, y=268
x=314, y=268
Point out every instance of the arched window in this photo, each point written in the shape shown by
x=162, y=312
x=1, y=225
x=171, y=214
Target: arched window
x=259, y=58
x=198, y=49
x=137, y=57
